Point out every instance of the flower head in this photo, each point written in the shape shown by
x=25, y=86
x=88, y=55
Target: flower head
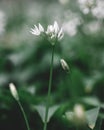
x=53, y=33
x=13, y=91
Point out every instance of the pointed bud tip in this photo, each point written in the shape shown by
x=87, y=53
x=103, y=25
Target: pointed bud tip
x=13, y=91
x=64, y=65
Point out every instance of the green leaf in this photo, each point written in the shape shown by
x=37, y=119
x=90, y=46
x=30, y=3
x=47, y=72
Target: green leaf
x=92, y=116
x=42, y=109
x=91, y=101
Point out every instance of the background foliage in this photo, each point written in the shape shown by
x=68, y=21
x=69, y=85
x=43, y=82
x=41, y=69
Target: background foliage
x=25, y=60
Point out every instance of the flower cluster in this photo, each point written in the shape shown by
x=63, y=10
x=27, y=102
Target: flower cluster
x=53, y=33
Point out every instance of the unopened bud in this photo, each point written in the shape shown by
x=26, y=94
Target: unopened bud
x=79, y=115
x=64, y=65
x=13, y=91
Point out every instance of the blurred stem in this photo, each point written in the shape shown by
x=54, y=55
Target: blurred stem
x=100, y=123
x=49, y=89
x=77, y=128
x=24, y=115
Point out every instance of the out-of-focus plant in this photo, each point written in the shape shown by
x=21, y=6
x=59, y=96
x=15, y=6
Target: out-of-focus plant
x=16, y=97
x=25, y=60
x=53, y=34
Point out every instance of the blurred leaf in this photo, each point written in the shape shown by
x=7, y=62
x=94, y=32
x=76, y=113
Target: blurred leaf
x=91, y=101
x=69, y=115
x=92, y=116
x=76, y=85
x=41, y=110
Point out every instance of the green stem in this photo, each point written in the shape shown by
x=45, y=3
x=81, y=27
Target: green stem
x=24, y=115
x=49, y=89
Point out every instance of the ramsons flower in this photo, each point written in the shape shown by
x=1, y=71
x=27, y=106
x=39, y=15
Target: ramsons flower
x=53, y=33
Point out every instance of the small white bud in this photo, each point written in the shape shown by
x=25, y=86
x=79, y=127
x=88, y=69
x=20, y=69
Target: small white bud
x=79, y=115
x=64, y=65
x=13, y=91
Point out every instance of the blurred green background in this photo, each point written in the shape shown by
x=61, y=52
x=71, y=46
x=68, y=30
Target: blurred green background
x=25, y=59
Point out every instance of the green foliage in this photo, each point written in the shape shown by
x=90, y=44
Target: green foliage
x=41, y=110
x=92, y=116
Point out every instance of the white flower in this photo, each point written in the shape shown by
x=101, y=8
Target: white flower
x=54, y=33
x=98, y=10
x=86, y=5
x=13, y=91
x=37, y=30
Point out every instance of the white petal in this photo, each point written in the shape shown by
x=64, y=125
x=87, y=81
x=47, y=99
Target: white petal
x=36, y=28
x=50, y=29
x=56, y=27
x=60, y=34
x=35, y=32
x=41, y=29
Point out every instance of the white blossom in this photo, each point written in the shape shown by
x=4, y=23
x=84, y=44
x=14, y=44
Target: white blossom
x=98, y=10
x=70, y=27
x=86, y=5
x=37, y=30
x=53, y=33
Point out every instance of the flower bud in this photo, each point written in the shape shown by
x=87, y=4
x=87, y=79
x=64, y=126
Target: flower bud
x=79, y=115
x=13, y=91
x=64, y=65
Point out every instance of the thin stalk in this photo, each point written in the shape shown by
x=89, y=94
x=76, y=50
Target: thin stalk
x=49, y=89
x=24, y=115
